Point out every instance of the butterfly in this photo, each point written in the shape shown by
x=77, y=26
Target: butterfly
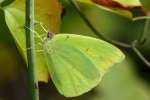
x=77, y=63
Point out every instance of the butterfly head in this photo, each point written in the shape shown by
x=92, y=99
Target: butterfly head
x=50, y=35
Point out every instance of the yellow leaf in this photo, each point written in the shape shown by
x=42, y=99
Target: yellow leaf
x=46, y=11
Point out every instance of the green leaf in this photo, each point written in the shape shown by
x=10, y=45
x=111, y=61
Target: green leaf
x=15, y=21
x=77, y=63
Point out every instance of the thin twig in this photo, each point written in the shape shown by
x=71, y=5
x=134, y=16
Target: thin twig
x=142, y=36
x=97, y=33
x=32, y=77
x=141, y=18
x=138, y=53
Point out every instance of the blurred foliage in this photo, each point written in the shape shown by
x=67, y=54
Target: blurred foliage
x=5, y=2
x=8, y=60
x=146, y=4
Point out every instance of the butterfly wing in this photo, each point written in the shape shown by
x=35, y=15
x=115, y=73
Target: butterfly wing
x=77, y=63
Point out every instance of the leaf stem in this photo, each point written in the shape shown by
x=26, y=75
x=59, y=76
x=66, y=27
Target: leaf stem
x=97, y=33
x=138, y=53
x=32, y=77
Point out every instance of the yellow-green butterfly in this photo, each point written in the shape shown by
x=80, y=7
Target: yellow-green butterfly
x=77, y=63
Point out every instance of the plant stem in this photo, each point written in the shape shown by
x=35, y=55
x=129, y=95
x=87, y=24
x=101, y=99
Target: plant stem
x=97, y=33
x=138, y=53
x=33, y=82
x=142, y=36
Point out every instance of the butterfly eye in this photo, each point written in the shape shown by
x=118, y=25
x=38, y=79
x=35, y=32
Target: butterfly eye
x=50, y=35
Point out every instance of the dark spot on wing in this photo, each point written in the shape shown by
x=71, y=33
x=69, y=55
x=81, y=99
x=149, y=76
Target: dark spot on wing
x=87, y=49
x=67, y=37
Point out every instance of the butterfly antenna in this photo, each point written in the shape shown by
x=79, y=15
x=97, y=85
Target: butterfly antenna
x=42, y=26
x=36, y=33
x=49, y=34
